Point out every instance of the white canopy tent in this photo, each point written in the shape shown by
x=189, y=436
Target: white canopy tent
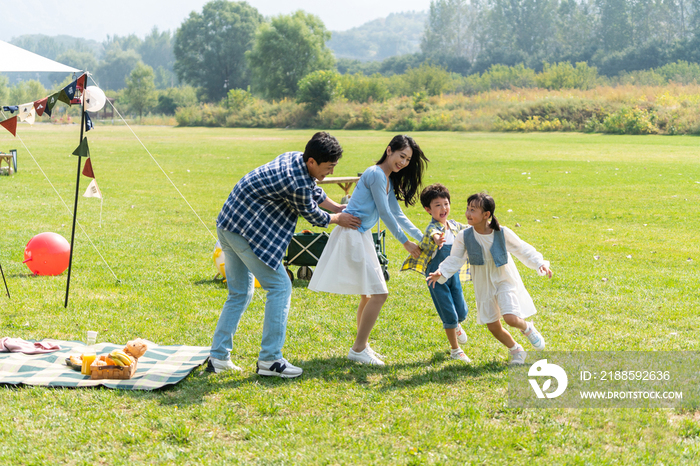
x=15, y=59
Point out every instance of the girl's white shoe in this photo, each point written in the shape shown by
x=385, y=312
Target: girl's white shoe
x=517, y=358
x=535, y=337
x=460, y=356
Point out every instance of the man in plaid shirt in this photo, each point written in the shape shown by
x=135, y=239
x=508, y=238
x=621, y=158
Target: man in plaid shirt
x=254, y=228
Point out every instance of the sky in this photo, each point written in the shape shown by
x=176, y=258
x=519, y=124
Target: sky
x=100, y=18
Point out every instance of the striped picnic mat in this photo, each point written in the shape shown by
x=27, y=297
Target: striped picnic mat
x=160, y=366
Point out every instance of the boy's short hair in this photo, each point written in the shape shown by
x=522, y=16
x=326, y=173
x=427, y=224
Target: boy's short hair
x=434, y=191
x=323, y=148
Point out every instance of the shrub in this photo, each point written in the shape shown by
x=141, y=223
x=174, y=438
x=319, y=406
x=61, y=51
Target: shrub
x=433, y=80
x=534, y=123
x=564, y=76
x=498, y=77
x=435, y=122
x=405, y=121
x=630, y=121
x=317, y=89
x=169, y=100
x=680, y=72
x=365, y=120
x=360, y=88
x=237, y=99
x=188, y=116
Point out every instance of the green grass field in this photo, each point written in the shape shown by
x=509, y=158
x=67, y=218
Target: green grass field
x=575, y=196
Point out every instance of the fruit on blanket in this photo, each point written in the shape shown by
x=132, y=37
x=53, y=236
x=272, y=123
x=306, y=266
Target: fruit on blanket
x=121, y=358
x=136, y=348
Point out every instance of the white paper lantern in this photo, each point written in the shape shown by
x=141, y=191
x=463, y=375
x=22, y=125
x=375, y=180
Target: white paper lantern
x=94, y=99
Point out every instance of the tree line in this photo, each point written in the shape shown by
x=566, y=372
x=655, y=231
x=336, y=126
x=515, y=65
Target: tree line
x=229, y=51
x=468, y=36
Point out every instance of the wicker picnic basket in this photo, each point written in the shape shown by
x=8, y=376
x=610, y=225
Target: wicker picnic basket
x=112, y=372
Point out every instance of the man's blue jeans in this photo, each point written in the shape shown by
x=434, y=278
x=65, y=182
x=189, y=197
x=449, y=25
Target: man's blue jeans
x=241, y=264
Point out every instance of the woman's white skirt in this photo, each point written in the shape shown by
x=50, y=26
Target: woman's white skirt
x=349, y=265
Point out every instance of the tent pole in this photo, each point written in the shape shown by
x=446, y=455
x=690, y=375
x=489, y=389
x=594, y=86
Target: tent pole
x=77, y=189
x=3, y=279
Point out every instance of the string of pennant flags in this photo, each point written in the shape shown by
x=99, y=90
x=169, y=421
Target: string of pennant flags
x=92, y=99
x=70, y=95
x=74, y=93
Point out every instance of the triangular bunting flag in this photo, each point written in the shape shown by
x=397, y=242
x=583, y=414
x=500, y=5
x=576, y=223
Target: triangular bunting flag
x=71, y=89
x=87, y=169
x=27, y=113
x=93, y=190
x=82, y=150
x=40, y=106
x=88, y=122
x=51, y=102
x=80, y=82
x=63, y=97
x=11, y=108
x=10, y=125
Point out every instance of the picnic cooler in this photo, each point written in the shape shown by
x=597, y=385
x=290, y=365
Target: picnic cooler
x=306, y=248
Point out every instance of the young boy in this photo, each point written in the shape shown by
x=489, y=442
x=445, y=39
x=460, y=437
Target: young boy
x=436, y=247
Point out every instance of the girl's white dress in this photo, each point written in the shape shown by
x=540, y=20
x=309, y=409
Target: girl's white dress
x=349, y=263
x=498, y=290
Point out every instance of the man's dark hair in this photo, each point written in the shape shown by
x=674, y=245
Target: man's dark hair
x=434, y=191
x=323, y=148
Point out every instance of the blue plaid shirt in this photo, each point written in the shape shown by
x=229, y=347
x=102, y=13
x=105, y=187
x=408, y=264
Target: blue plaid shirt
x=265, y=204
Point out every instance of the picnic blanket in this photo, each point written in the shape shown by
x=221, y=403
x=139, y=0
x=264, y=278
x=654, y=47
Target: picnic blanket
x=160, y=366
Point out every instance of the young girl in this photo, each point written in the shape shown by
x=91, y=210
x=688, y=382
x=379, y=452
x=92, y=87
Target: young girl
x=349, y=263
x=498, y=288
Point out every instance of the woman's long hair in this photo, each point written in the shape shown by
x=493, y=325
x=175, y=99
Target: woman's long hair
x=408, y=180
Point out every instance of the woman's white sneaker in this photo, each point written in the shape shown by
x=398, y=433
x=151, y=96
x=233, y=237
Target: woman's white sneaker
x=364, y=357
x=374, y=353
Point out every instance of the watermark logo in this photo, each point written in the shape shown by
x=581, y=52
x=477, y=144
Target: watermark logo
x=542, y=369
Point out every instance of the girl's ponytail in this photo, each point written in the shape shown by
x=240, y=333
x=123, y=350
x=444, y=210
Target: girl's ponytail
x=487, y=204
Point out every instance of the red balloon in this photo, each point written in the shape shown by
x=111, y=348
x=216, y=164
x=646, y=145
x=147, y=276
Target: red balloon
x=47, y=254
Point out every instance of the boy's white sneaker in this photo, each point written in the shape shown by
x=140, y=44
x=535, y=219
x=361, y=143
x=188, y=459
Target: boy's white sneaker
x=221, y=365
x=535, y=337
x=364, y=357
x=517, y=358
x=461, y=336
x=460, y=356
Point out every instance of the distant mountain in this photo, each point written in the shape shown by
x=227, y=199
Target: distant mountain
x=397, y=34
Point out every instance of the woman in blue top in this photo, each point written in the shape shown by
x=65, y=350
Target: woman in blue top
x=349, y=263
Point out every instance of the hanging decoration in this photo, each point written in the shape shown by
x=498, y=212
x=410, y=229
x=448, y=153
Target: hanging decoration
x=87, y=170
x=94, y=99
x=10, y=124
x=90, y=100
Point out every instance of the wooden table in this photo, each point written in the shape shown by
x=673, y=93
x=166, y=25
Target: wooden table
x=7, y=158
x=345, y=182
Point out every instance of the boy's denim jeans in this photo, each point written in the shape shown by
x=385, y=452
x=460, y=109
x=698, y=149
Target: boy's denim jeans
x=448, y=298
